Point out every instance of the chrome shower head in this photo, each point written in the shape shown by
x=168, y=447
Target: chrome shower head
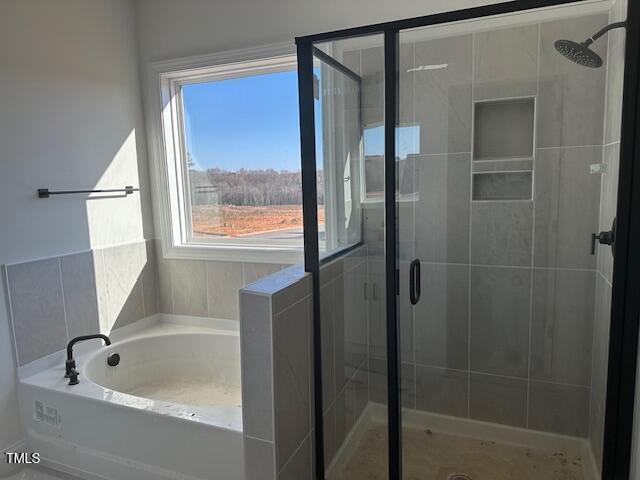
x=579, y=53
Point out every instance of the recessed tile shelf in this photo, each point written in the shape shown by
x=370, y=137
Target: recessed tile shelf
x=518, y=165
x=503, y=129
x=502, y=186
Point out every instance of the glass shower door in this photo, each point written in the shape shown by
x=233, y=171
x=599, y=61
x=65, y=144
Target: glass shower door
x=506, y=162
x=350, y=184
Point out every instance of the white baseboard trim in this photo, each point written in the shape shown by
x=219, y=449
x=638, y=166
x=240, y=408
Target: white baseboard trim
x=7, y=469
x=377, y=413
x=83, y=462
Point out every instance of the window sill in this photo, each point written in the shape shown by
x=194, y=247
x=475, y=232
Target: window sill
x=235, y=253
x=403, y=198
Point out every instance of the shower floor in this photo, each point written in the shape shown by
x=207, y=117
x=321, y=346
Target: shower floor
x=431, y=455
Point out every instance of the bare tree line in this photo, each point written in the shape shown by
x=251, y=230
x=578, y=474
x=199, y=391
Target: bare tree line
x=247, y=187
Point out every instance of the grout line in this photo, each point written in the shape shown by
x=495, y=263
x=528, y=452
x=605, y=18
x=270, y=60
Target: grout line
x=511, y=201
x=12, y=320
x=300, y=300
x=488, y=265
x=157, y=275
x=173, y=299
x=593, y=357
x=74, y=252
x=567, y=147
x=470, y=235
x=502, y=160
x=272, y=375
x=310, y=359
x=533, y=229
x=448, y=154
x=606, y=280
x=64, y=303
x=141, y=276
x=356, y=370
x=496, y=375
x=206, y=287
x=258, y=439
x=290, y=459
x=598, y=252
x=489, y=374
x=607, y=79
x=333, y=341
x=413, y=244
x=106, y=290
x=244, y=275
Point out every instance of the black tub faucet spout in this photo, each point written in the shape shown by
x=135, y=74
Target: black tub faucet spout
x=70, y=364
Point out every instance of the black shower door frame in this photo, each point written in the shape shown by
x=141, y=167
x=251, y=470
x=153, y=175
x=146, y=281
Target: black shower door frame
x=625, y=311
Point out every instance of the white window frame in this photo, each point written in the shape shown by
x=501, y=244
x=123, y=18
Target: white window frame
x=167, y=153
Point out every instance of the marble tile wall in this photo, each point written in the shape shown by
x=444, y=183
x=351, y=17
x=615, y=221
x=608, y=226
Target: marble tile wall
x=56, y=299
x=504, y=330
x=277, y=373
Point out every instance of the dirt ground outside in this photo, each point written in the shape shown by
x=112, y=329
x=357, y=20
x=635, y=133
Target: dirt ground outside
x=239, y=221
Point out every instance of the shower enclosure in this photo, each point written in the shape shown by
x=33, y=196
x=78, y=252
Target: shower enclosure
x=462, y=177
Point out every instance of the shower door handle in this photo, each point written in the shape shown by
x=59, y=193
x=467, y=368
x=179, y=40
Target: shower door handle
x=604, y=238
x=414, y=281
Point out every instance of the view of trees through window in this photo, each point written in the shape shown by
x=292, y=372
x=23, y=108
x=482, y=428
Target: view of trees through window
x=243, y=157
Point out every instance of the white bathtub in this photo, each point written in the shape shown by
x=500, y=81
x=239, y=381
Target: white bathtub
x=170, y=409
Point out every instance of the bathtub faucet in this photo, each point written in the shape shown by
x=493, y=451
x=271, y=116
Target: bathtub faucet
x=70, y=364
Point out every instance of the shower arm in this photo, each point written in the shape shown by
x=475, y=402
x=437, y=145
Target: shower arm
x=604, y=30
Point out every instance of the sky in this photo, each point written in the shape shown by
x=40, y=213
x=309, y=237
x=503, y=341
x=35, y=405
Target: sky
x=250, y=122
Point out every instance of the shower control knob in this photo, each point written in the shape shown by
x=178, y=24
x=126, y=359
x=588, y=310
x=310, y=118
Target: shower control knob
x=604, y=238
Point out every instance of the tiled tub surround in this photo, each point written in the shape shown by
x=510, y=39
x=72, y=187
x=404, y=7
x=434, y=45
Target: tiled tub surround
x=56, y=299
x=206, y=288
x=504, y=331
x=277, y=373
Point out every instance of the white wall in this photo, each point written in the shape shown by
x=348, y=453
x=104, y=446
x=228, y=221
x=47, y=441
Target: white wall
x=70, y=117
x=170, y=29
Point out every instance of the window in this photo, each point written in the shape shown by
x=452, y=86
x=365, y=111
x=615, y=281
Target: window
x=408, y=144
x=243, y=157
x=231, y=167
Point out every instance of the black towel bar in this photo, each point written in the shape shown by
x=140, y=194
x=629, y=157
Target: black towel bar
x=46, y=193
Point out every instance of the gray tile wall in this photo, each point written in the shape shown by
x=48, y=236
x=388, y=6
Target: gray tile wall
x=504, y=330
x=277, y=374
x=609, y=187
x=206, y=288
x=344, y=310
x=56, y=299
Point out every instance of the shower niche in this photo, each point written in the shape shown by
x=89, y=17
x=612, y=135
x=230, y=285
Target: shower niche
x=503, y=149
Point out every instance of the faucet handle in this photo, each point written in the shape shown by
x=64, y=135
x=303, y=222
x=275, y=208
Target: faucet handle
x=73, y=377
x=70, y=365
